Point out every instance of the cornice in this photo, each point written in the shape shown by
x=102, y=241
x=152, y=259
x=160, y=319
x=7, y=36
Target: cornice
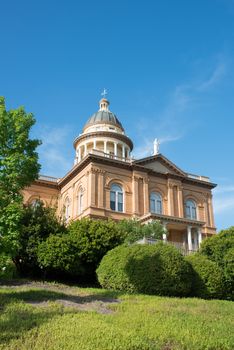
x=172, y=219
x=123, y=165
x=110, y=134
x=47, y=184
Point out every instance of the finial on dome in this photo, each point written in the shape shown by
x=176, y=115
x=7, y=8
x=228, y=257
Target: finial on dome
x=104, y=103
x=104, y=93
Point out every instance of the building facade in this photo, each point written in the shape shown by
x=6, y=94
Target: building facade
x=106, y=182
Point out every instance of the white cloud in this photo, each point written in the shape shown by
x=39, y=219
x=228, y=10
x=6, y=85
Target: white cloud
x=52, y=152
x=172, y=123
x=223, y=199
x=215, y=77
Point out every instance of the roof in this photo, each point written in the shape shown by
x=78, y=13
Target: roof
x=103, y=117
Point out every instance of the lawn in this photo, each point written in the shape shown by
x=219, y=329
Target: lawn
x=50, y=316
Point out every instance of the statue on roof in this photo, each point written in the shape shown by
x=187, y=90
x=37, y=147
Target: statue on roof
x=156, y=147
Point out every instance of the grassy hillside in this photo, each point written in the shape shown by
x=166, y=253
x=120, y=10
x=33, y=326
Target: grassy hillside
x=54, y=316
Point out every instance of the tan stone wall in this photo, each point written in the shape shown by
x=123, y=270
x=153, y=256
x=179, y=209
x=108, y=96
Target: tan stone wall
x=38, y=191
x=95, y=181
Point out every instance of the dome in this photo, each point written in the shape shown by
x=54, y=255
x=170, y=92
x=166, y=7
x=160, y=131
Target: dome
x=103, y=117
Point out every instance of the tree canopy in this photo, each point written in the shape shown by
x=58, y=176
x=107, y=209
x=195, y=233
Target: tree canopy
x=18, y=168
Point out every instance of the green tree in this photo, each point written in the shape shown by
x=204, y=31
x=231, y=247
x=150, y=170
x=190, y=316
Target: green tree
x=133, y=230
x=220, y=249
x=18, y=168
x=79, y=252
x=36, y=225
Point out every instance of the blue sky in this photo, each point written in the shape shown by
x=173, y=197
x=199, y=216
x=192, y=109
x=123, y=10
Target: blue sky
x=168, y=66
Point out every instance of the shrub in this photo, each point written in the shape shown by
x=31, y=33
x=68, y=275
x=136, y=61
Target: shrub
x=93, y=239
x=219, y=249
x=58, y=254
x=207, y=279
x=152, y=269
x=79, y=251
x=38, y=222
x=217, y=246
x=229, y=273
x=7, y=267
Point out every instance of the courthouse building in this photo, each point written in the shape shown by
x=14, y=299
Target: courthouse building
x=106, y=182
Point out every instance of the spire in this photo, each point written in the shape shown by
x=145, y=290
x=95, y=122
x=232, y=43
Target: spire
x=104, y=103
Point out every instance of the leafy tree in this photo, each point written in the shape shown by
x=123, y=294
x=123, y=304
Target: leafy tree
x=37, y=223
x=18, y=168
x=134, y=230
x=81, y=250
x=220, y=249
x=217, y=246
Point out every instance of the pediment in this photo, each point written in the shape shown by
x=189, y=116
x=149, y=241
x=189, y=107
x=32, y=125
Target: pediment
x=160, y=164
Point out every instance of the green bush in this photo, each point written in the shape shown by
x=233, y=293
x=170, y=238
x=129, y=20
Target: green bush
x=219, y=249
x=58, y=254
x=207, y=279
x=152, y=269
x=7, y=267
x=217, y=246
x=38, y=222
x=78, y=252
x=229, y=273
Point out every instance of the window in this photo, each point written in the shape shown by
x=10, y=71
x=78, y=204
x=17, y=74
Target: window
x=156, y=203
x=67, y=209
x=190, y=209
x=80, y=198
x=116, y=198
x=35, y=203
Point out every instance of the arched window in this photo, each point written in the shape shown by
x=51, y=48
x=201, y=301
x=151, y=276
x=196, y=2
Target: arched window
x=36, y=203
x=190, y=209
x=67, y=209
x=80, y=198
x=156, y=203
x=116, y=198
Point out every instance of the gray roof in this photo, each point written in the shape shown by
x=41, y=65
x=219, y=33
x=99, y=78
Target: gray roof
x=105, y=117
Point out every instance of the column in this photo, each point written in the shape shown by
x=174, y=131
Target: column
x=170, y=200
x=79, y=154
x=100, y=189
x=180, y=203
x=199, y=233
x=164, y=223
x=135, y=197
x=105, y=146
x=189, y=236
x=146, y=195
x=210, y=206
x=115, y=149
x=123, y=151
x=94, y=144
x=92, y=188
x=85, y=149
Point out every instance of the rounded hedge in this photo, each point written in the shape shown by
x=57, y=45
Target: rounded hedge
x=157, y=269
x=207, y=279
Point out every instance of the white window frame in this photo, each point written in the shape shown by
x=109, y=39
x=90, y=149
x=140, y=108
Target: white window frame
x=116, y=198
x=190, y=207
x=80, y=203
x=156, y=197
x=67, y=209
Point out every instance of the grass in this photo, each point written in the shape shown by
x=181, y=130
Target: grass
x=55, y=316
